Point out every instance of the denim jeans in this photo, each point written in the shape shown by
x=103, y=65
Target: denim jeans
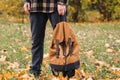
x=38, y=22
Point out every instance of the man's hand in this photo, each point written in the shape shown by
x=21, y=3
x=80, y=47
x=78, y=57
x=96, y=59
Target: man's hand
x=27, y=7
x=61, y=9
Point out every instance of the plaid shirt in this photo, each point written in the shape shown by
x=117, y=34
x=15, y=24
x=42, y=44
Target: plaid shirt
x=46, y=6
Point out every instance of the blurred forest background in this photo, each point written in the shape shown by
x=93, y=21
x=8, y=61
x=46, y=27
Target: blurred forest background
x=79, y=10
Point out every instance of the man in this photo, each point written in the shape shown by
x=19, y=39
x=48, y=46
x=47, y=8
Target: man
x=40, y=11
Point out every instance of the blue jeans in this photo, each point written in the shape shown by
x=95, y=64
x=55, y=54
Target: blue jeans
x=38, y=22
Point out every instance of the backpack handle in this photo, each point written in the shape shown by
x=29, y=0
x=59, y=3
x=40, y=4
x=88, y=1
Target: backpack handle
x=62, y=18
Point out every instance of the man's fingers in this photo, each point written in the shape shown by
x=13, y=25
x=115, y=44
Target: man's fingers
x=61, y=12
x=27, y=8
x=61, y=9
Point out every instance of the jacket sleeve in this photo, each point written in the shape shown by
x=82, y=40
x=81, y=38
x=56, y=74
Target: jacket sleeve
x=62, y=2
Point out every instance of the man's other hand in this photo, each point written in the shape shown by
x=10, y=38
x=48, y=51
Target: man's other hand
x=27, y=7
x=61, y=9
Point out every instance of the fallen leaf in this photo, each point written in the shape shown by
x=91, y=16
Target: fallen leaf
x=55, y=78
x=24, y=49
x=2, y=59
x=107, y=79
x=1, y=76
x=7, y=75
x=25, y=77
x=107, y=45
x=117, y=41
x=90, y=53
x=14, y=66
x=110, y=36
x=90, y=78
x=115, y=61
x=116, y=70
x=101, y=63
x=4, y=51
x=109, y=50
x=98, y=69
x=14, y=51
x=28, y=56
x=78, y=74
x=17, y=40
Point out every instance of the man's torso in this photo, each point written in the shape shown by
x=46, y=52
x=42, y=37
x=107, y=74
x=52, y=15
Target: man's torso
x=46, y=6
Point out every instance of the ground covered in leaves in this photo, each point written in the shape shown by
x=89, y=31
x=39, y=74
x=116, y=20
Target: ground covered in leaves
x=99, y=45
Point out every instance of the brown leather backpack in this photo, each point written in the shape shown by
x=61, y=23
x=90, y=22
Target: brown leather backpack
x=64, y=51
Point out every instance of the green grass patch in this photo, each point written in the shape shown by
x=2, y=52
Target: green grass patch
x=15, y=44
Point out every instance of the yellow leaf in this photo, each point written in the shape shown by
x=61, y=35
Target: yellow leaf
x=28, y=56
x=60, y=76
x=17, y=40
x=7, y=75
x=98, y=69
x=1, y=76
x=116, y=71
x=78, y=74
x=107, y=79
x=24, y=49
x=25, y=77
x=86, y=74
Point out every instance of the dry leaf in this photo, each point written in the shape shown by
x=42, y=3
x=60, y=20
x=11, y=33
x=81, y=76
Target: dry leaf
x=7, y=75
x=107, y=45
x=90, y=78
x=25, y=77
x=90, y=53
x=115, y=61
x=24, y=49
x=60, y=76
x=4, y=51
x=101, y=63
x=55, y=78
x=28, y=56
x=14, y=65
x=109, y=50
x=110, y=36
x=1, y=76
x=107, y=79
x=118, y=41
x=78, y=74
x=46, y=55
x=17, y=40
x=98, y=69
x=14, y=51
x=2, y=59
x=116, y=70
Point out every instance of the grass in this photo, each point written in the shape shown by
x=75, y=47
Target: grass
x=15, y=44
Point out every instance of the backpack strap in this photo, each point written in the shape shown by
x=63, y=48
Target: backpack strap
x=57, y=49
x=70, y=44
